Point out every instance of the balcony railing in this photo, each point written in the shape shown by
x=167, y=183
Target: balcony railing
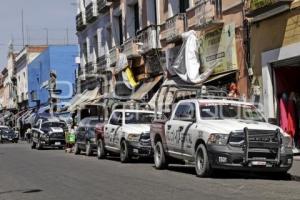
x=131, y=48
x=91, y=12
x=172, y=29
x=148, y=39
x=102, y=63
x=103, y=5
x=203, y=15
x=113, y=56
x=80, y=22
x=257, y=7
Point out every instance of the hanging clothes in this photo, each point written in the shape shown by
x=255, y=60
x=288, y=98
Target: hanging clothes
x=283, y=114
x=291, y=117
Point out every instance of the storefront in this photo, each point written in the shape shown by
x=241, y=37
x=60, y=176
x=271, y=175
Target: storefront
x=281, y=91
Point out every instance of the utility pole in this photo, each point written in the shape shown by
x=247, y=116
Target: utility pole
x=67, y=32
x=47, y=36
x=23, y=37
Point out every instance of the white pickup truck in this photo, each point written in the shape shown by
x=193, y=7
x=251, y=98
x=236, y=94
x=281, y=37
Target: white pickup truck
x=220, y=134
x=127, y=133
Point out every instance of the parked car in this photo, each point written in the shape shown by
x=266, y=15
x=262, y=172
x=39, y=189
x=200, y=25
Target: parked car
x=127, y=133
x=220, y=134
x=48, y=132
x=8, y=135
x=85, y=136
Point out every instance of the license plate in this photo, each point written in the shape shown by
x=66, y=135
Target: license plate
x=57, y=143
x=259, y=163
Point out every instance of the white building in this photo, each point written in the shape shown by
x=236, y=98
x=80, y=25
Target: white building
x=22, y=60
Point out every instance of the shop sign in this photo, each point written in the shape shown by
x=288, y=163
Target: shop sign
x=255, y=4
x=218, y=49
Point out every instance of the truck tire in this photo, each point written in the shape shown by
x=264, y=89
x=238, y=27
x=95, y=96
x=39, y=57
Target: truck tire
x=39, y=145
x=202, y=165
x=76, y=149
x=160, y=159
x=124, y=152
x=88, y=149
x=101, y=153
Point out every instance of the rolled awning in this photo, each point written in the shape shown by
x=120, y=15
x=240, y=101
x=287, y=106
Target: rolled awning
x=83, y=98
x=146, y=88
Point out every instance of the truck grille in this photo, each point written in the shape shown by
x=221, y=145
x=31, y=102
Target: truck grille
x=258, y=144
x=145, y=139
x=57, y=136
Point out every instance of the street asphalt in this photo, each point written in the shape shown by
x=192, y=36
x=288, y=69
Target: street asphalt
x=54, y=174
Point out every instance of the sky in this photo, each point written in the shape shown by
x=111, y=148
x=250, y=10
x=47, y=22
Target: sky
x=57, y=17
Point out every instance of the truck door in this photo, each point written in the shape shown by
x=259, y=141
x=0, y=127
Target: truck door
x=180, y=126
x=111, y=129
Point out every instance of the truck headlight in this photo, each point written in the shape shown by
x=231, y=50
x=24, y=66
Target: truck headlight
x=133, y=137
x=287, y=142
x=218, y=139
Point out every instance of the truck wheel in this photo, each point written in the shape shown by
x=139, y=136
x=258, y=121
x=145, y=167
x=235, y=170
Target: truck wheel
x=159, y=156
x=101, y=153
x=33, y=146
x=39, y=145
x=76, y=149
x=124, y=153
x=88, y=149
x=202, y=165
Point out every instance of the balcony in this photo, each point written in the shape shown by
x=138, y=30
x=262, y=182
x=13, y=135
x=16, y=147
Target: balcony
x=89, y=68
x=257, y=7
x=80, y=22
x=102, y=63
x=131, y=48
x=203, y=15
x=148, y=38
x=91, y=12
x=103, y=5
x=113, y=56
x=172, y=29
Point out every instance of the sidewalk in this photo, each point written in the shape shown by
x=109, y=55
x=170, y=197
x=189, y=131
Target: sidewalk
x=297, y=158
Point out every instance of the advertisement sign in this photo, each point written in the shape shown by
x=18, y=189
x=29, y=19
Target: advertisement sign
x=218, y=49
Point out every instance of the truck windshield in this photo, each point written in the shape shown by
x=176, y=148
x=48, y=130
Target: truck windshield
x=47, y=125
x=230, y=111
x=138, y=118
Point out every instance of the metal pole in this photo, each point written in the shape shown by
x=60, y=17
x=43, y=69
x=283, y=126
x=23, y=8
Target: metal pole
x=23, y=37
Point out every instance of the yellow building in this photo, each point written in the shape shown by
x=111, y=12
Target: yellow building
x=274, y=35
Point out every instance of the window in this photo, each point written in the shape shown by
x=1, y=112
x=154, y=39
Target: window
x=230, y=111
x=183, y=5
x=84, y=51
x=95, y=40
x=138, y=118
x=116, y=118
x=120, y=29
x=185, y=112
x=136, y=17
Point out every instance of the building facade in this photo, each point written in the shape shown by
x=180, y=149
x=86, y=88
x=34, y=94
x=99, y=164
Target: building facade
x=275, y=59
x=148, y=33
x=56, y=58
x=22, y=60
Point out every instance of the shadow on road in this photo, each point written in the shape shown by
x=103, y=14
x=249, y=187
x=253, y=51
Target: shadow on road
x=21, y=191
x=222, y=174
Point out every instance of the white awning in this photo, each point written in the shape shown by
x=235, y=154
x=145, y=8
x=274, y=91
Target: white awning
x=80, y=100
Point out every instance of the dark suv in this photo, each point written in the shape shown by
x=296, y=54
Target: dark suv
x=49, y=132
x=85, y=136
x=8, y=135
